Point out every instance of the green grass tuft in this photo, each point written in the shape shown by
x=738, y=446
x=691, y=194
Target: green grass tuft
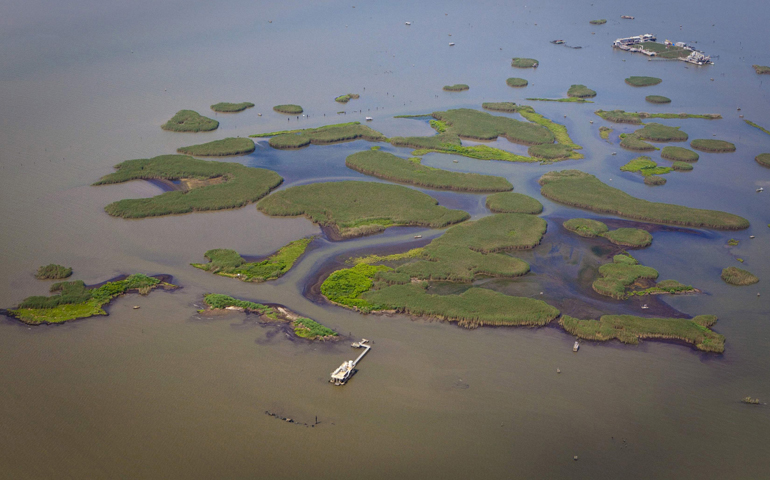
x=761, y=70
x=225, y=107
x=598, y=22
x=631, y=141
x=763, y=159
x=655, y=132
x=585, y=227
x=516, y=82
x=679, y=154
x=738, y=276
x=657, y=99
x=345, y=132
x=510, y=202
x=580, y=91
x=520, y=62
x=288, y=109
x=643, y=81
x=229, y=263
x=190, y=121
x=220, y=148
x=458, y=87
x=711, y=145
x=53, y=271
x=646, y=166
x=347, y=97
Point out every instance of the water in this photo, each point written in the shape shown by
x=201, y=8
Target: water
x=162, y=392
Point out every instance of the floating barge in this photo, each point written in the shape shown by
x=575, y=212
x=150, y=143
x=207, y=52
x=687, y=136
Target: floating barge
x=343, y=373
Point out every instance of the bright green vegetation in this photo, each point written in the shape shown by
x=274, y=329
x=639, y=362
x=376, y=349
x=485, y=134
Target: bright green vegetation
x=303, y=327
x=220, y=148
x=733, y=242
x=757, y=126
x=631, y=141
x=53, y=271
x=654, y=180
x=761, y=70
x=74, y=300
x=681, y=166
x=551, y=151
x=738, y=276
x=473, y=124
x=657, y=99
x=347, y=97
x=655, y=132
x=621, y=116
x=458, y=87
x=568, y=99
x=559, y=131
x=666, y=51
x=473, y=308
x=604, y=132
x=438, y=125
x=643, y=81
x=646, y=166
x=585, y=227
x=390, y=167
x=630, y=329
x=711, y=145
x=598, y=22
x=763, y=159
x=344, y=287
x=510, y=202
x=628, y=237
x=619, y=280
x=580, y=91
x=289, y=109
x=516, y=82
x=519, y=62
x=749, y=400
x=344, y=132
x=189, y=121
x=354, y=209
x=208, y=185
x=508, y=107
x=582, y=190
x=226, y=107
x=679, y=154
x=229, y=263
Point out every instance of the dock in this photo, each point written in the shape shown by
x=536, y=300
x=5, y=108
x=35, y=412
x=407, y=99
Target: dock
x=343, y=373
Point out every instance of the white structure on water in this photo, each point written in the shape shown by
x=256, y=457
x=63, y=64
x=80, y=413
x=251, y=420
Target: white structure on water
x=634, y=45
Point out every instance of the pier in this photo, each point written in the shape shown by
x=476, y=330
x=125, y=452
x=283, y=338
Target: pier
x=342, y=374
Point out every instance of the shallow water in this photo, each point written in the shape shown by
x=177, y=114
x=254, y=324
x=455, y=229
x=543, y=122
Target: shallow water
x=161, y=392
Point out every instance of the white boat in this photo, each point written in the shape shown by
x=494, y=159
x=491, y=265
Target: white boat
x=576, y=346
x=369, y=119
x=451, y=44
x=645, y=307
x=418, y=236
x=407, y=23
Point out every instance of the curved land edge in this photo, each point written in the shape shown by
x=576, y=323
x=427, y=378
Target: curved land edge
x=229, y=263
x=390, y=167
x=220, y=148
x=582, y=190
x=210, y=185
x=75, y=300
x=302, y=327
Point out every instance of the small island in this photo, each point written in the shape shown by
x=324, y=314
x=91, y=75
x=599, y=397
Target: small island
x=226, y=107
x=627, y=237
x=583, y=190
x=458, y=87
x=655, y=132
x=53, y=271
x=763, y=159
x=390, y=167
x=598, y=22
x=712, y=145
x=604, y=133
x=516, y=82
x=635, y=118
x=761, y=69
x=347, y=97
x=631, y=141
x=643, y=81
x=352, y=209
x=220, y=148
x=679, y=154
x=326, y=135
x=520, y=62
x=580, y=91
x=190, y=121
x=302, y=327
x=74, y=300
x=738, y=276
x=657, y=99
x=759, y=127
x=228, y=263
x=204, y=185
x=624, y=278
x=654, y=180
x=510, y=202
x=288, y=109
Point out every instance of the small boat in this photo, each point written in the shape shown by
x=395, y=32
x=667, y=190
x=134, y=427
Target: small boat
x=576, y=346
x=455, y=161
x=751, y=236
x=451, y=44
x=645, y=307
x=418, y=236
x=760, y=189
x=627, y=17
x=407, y=23
x=369, y=119
x=557, y=42
x=259, y=114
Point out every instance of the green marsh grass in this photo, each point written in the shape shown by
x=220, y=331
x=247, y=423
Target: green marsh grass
x=458, y=87
x=510, y=202
x=190, y=121
x=761, y=69
x=229, y=263
x=643, y=81
x=289, y=109
x=763, y=159
x=679, y=154
x=516, y=82
x=655, y=132
x=220, y=148
x=53, y=271
x=347, y=97
x=226, y=107
x=345, y=132
x=749, y=122
x=712, y=145
x=657, y=99
x=738, y=276
x=520, y=62
x=646, y=166
x=580, y=91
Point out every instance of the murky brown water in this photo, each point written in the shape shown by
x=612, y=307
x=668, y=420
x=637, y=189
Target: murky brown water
x=161, y=392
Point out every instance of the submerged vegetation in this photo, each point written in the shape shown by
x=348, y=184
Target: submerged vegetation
x=220, y=148
x=229, y=263
x=190, y=121
x=580, y=91
x=582, y=190
x=520, y=62
x=763, y=159
x=630, y=329
x=390, y=167
x=679, y=154
x=510, y=202
x=635, y=118
x=712, y=145
x=347, y=97
x=628, y=237
x=75, y=300
x=53, y=271
x=643, y=81
x=289, y=109
x=226, y=107
x=209, y=185
x=516, y=82
x=303, y=327
x=657, y=99
x=343, y=132
x=738, y=276
x=352, y=209
x=458, y=87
